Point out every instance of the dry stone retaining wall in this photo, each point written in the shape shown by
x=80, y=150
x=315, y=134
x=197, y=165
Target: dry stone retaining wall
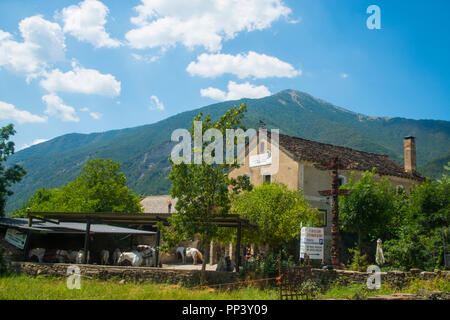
x=324, y=278
x=397, y=279
x=139, y=274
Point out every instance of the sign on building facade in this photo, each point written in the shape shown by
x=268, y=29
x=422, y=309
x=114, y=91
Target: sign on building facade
x=261, y=159
x=312, y=242
x=16, y=238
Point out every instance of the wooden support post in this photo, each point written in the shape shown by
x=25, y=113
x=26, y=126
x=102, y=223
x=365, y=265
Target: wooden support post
x=158, y=236
x=238, y=246
x=231, y=252
x=86, y=241
x=30, y=219
x=212, y=253
x=26, y=247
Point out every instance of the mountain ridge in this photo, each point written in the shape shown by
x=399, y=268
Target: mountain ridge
x=144, y=150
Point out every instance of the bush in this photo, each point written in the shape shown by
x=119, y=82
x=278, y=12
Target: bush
x=310, y=289
x=3, y=266
x=359, y=261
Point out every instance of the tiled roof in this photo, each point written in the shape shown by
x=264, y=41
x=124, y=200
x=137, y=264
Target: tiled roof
x=323, y=153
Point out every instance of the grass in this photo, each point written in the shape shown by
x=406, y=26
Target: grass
x=43, y=288
x=360, y=291
x=14, y=287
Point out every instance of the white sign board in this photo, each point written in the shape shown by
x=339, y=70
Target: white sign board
x=312, y=243
x=16, y=238
x=261, y=159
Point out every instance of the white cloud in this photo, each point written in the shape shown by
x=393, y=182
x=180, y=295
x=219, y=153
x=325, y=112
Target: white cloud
x=155, y=103
x=43, y=44
x=162, y=23
x=95, y=115
x=145, y=58
x=86, y=22
x=258, y=66
x=9, y=112
x=56, y=107
x=35, y=142
x=236, y=91
x=81, y=80
x=344, y=75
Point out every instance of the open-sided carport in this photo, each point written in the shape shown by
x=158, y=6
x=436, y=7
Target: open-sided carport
x=232, y=221
x=42, y=225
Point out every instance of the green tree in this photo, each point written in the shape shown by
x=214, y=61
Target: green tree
x=276, y=210
x=8, y=175
x=101, y=187
x=418, y=243
x=369, y=211
x=203, y=189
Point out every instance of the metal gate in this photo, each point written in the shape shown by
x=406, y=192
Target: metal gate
x=291, y=280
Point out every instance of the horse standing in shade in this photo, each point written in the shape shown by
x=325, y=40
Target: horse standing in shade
x=80, y=257
x=104, y=257
x=116, y=255
x=181, y=254
x=38, y=253
x=134, y=257
x=195, y=254
x=148, y=254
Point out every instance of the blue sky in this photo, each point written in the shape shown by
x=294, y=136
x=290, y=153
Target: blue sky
x=129, y=63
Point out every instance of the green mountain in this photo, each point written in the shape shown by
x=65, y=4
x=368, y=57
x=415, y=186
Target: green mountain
x=435, y=168
x=143, y=151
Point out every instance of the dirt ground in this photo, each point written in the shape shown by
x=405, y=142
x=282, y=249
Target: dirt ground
x=189, y=266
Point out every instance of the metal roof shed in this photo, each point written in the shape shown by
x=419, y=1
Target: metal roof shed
x=69, y=227
x=152, y=219
x=57, y=227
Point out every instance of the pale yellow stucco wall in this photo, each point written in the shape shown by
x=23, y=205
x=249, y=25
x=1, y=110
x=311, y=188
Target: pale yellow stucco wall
x=287, y=171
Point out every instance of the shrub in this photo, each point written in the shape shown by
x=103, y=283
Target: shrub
x=359, y=261
x=3, y=266
x=310, y=289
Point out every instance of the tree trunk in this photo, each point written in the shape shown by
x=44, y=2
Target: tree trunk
x=359, y=242
x=205, y=245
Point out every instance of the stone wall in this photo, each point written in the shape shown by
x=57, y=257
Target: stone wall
x=398, y=279
x=138, y=274
x=324, y=278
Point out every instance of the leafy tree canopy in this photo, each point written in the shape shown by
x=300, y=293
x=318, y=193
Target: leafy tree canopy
x=276, y=210
x=203, y=189
x=369, y=211
x=419, y=242
x=101, y=187
x=10, y=175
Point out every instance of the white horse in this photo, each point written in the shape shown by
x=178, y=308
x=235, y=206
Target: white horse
x=195, y=254
x=148, y=254
x=80, y=256
x=181, y=253
x=37, y=252
x=116, y=255
x=134, y=257
x=72, y=256
x=104, y=257
x=62, y=256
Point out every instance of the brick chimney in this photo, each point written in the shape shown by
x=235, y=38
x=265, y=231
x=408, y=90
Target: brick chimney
x=409, y=146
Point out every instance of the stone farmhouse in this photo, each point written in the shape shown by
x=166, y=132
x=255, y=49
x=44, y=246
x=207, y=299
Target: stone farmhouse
x=299, y=161
x=298, y=169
